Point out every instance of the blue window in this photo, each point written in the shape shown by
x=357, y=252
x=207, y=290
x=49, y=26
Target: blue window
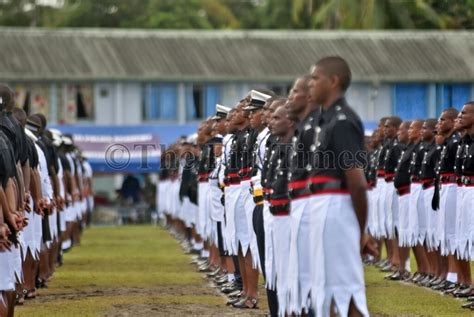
x=201, y=100
x=160, y=102
x=452, y=95
x=410, y=101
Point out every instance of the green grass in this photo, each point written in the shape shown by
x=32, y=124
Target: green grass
x=116, y=257
x=390, y=298
x=143, y=265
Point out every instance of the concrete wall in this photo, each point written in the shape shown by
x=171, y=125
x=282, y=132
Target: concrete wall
x=105, y=103
x=118, y=103
x=370, y=101
x=132, y=103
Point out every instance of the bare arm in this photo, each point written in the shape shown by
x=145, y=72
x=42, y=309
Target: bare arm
x=357, y=186
x=26, y=169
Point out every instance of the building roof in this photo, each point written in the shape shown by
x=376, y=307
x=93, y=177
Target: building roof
x=116, y=54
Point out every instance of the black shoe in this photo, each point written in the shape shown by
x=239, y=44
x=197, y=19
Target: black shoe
x=463, y=291
x=195, y=251
x=214, y=273
x=387, y=268
x=400, y=276
x=236, y=293
x=233, y=300
x=228, y=284
x=440, y=286
x=468, y=305
x=425, y=281
x=221, y=280
x=380, y=264
x=205, y=268
x=450, y=288
x=248, y=302
x=470, y=298
x=389, y=276
x=417, y=279
x=202, y=262
x=436, y=282
x=230, y=289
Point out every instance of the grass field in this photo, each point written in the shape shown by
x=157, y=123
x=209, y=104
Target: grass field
x=141, y=271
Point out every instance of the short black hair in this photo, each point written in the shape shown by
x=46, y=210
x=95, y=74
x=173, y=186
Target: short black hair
x=337, y=66
x=395, y=121
x=451, y=113
x=305, y=78
x=7, y=98
x=469, y=103
x=431, y=123
x=20, y=115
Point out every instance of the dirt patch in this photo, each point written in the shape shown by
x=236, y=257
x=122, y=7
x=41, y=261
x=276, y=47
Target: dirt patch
x=178, y=310
x=154, y=307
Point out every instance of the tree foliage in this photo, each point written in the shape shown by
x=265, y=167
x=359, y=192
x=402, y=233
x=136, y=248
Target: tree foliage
x=241, y=14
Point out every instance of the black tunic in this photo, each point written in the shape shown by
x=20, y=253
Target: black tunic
x=339, y=144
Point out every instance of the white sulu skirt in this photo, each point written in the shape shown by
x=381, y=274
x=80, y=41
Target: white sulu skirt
x=249, y=206
x=299, y=267
x=463, y=224
x=232, y=195
x=419, y=220
x=189, y=210
x=270, y=270
x=38, y=232
x=208, y=228
x=431, y=216
x=16, y=269
x=372, y=214
x=391, y=210
x=202, y=216
x=7, y=282
x=281, y=244
x=404, y=234
x=446, y=227
x=29, y=235
x=53, y=224
x=414, y=215
x=336, y=236
x=244, y=202
x=380, y=208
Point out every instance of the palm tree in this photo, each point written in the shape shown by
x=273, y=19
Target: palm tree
x=374, y=14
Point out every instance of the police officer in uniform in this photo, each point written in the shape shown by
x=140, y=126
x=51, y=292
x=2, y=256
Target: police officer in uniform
x=282, y=127
x=8, y=173
x=339, y=201
x=305, y=113
x=466, y=120
x=427, y=177
x=389, y=203
x=261, y=190
x=446, y=203
x=417, y=204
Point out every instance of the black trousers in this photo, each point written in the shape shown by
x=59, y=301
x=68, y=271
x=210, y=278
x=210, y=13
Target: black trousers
x=258, y=227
